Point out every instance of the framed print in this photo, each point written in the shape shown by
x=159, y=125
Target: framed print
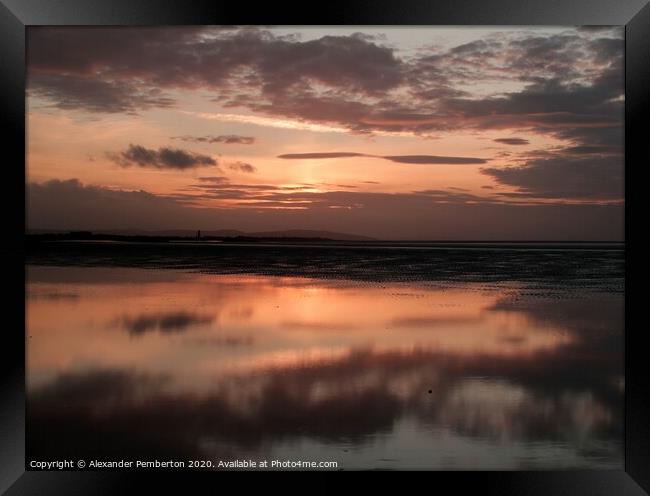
x=386, y=236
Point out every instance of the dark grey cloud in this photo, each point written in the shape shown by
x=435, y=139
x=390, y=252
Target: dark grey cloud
x=242, y=167
x=592, y=149
x=163, y=158
x=359, y=84
x=203, y=57
x=214, y=179
x=70, y=205
x=575, y=102
x=349, y=81
x=71, y=92
x=551, y=106
x=512, y=141
x=402, y=159
x=547, y=54
x=433, y=159
x=560, y=176
x=280, y=73
x=227, y=139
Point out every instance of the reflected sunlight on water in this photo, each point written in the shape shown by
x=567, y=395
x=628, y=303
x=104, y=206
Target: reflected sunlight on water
x=386, y=375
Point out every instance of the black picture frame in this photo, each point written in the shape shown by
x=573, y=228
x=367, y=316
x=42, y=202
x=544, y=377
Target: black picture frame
x=16, y=15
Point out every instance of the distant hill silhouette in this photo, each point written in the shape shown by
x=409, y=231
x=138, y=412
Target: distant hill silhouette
x=221, y=233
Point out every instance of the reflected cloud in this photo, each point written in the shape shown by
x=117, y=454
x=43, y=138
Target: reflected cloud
x=529, y=373
x=430, y=321
x=351, y=399
x=164, y=322
x=228, y=341
x=319, y=326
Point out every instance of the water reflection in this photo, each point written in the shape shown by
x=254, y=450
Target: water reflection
x=408, y=375
x=164, y=322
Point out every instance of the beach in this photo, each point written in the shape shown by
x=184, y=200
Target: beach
x=398, y=357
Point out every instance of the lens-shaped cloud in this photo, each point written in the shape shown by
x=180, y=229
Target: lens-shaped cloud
x=163, y=158
x=400, y=159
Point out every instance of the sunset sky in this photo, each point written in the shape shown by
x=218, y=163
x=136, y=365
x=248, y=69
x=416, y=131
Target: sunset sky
x=508, y=133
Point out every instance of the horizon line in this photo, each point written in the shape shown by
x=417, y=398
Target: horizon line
x=261, y=234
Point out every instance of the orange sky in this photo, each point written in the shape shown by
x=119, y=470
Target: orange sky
x=203, y=120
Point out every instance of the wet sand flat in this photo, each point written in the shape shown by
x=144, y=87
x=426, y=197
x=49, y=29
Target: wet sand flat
x=385, y=358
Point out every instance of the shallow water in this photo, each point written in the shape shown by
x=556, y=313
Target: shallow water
x=159, y=363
